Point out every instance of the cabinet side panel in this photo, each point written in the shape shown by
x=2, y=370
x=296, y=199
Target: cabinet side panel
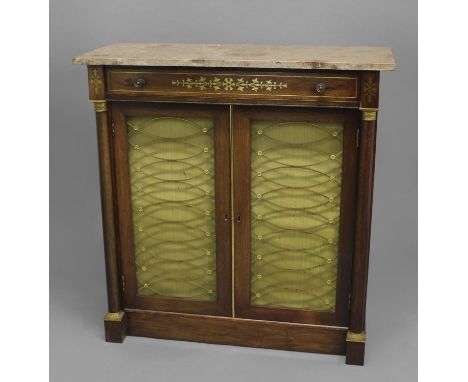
x=97, y=91
x=108, y=212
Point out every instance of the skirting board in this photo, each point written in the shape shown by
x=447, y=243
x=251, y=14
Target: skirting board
x=236, y=331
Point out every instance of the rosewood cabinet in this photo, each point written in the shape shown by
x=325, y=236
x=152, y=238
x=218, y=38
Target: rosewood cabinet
x=236, y=186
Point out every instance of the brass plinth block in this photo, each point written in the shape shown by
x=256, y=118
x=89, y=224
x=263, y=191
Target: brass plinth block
x=100, y=106
x=117, y=316
x=355, y=337
x=368, y=114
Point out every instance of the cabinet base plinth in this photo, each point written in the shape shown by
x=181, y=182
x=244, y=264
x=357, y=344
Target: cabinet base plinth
x=115, y=326
x=237, y=331
x=355, y=353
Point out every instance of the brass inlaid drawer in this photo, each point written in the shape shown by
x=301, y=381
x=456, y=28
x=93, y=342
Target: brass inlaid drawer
x=226, y=85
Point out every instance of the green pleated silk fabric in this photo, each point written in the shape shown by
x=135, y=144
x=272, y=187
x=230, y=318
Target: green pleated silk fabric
x=296, y=181
x=171, y=166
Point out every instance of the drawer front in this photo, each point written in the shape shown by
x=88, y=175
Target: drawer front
x=232, y=86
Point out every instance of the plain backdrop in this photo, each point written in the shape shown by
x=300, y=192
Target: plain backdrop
x=77, y=279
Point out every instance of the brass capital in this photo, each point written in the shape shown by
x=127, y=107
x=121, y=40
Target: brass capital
x=100, y=106
x=368, y=113
x=117, y=316
x=355, y=337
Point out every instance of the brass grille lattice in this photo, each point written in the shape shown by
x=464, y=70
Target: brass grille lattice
x=296, y=183
x=171, y=164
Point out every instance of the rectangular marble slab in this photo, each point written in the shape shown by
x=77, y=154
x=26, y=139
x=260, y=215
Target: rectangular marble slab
x=242, y=56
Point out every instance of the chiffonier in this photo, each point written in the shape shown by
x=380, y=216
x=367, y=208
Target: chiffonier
x=236, y=188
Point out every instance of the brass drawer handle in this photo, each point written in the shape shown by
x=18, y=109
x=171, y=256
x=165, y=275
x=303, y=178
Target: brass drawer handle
x=321, y=87
x=139, y=82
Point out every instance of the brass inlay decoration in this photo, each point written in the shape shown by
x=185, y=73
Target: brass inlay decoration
x=231, y=156
x=99, y=106
x=370, y=89
x=368, y=114
x=95, y=81
x=117, y=316
x=229, y=84
x=356, y=337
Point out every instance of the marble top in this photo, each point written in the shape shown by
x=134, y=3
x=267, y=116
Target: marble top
x=242, y=56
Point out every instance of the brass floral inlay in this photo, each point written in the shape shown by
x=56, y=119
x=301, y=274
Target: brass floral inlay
x=370, y=89
x=95, y=81
x=229, y=84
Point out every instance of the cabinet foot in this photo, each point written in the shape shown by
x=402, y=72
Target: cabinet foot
x=115, y=325
x=355, y=346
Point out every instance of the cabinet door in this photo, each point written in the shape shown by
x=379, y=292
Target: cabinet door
x=172, y=166
x=294, y=192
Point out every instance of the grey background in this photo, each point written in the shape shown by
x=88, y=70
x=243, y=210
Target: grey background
x=77, y=279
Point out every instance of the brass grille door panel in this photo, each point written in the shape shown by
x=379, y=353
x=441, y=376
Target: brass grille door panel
x=171, y=170
x=296, y=178
x=296, y=266
x=174, y=229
